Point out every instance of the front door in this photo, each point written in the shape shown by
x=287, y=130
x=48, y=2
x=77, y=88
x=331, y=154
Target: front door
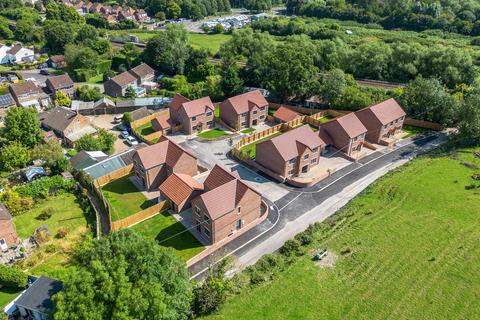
x=254, y=122
x=304, y=169
x=238, y=225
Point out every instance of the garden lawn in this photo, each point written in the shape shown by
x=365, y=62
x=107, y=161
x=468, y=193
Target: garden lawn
x=124, y=198
x=212, y=134
x=412, y=131
x=407, y=246
x=52, y=258
x=250, y=151
x=168, y=232
x=211, y=42
x=145, y=129
x=326, y=118
x=248, y=130
x=7, y=295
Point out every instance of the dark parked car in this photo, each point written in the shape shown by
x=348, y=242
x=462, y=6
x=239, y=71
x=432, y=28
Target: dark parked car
x=44, y=72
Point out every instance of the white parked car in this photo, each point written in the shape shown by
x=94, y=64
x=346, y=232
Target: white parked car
x=131, y=141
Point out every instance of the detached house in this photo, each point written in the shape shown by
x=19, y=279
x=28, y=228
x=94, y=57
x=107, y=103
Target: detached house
x=292, y=153
x=163, y=123
x=179, y=189
x=382, y=120
x=67, y=124
x=62, y=83
x=226, y=205
x=346, y=133
x=143, y=73
x=117, y=86
x=16, y=54
x=175, y=106
x=245, y=110
x=28, y=94
x=153, y=164
x=57, y=61
x=284, y=114
x=196, y=115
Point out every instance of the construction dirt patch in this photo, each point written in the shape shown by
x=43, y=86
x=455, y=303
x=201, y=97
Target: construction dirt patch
x=328, y=261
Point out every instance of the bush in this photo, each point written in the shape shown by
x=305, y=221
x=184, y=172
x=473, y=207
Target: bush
x=291, y=248
x=14, y=203
x=266, y=268
x=103, y=66
x=45, y=214
x=209, y=296
x=62, y=232
x=12, y=277
x=44, y=186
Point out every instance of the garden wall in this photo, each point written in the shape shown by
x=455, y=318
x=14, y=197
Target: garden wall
x=139, y=216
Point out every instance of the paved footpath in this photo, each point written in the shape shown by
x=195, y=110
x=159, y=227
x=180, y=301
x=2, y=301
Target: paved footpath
x=301, y=207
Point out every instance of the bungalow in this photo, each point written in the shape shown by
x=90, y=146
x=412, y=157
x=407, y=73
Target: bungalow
x=245, y=110
x=28, y=94
x=67, y=124
x=292, y=153
x=284, y=114
x=163, y=123
x=153, y=164
x=117, y=86
x=382, y=120
x=36, y=302
x=57, y=61
x=346, y=133
x=226, y=206
x=8, y=234
x=61, y=83
x=196, y=115
x=179, y=190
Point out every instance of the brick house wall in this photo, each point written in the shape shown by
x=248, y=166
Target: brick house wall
x=203, y=120
x=341, y=140
x=268, y=156
x=303, y=160
x=376, y=130
x=7, y=232
x=115, y=90
x=253, y=117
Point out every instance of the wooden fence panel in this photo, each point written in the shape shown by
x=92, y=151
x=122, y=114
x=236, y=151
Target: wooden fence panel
x=99, y=182
x=137, y=123
x=140, y=216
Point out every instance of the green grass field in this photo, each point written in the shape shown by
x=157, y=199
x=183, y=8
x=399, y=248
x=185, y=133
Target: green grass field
x=211, y=42
x=250, y=149
x=212, y=134
x=170, y=233
x=326, y=118
x=124, y=198
x=7, y=295
x=410, y=251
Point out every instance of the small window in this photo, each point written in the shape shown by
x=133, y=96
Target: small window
x=306, y=156
x=314, y=150
x=207, y=232
x=238, y=210
x=291, y=172
x=197, y=211
x=262, y=108
x=209, y=114
x=194, y=118
x=262, y=117
x=206, y=219
x=313, y=161
x=292, y=161
x=244, y=114
x=254, y=111
x=244, y=123
x=199, y=227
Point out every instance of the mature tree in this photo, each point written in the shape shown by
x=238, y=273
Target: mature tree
x=26, y=31
x=258, y=5
x=22, y=125
x=88, y=93
x=213, y=87
x=80, y=57
x=57, y=34
x=197, y=66
x=61, y=12
x=177, y=84
x=124, y=276
x=62, y=99
x=405, y=61
x=333, y=85
x=231, y=83
x=333, y=54
x=87, y=35
x=103, y=141
x=168, y=51
x=427, y=99
x=469, y=118
x=131, y=54
x=14, y=156
x=292, y=70
x=370, y=60
x=50, y=152
x=5, y=32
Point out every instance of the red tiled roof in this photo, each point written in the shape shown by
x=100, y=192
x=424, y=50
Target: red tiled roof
x=178, y=187
x=177, y=101
x=350, y=123
x=244, y=102
x=224, y=192
x=386, y=111
x=292, y=143
x=163, y=121
x=164, y=151
x=197, y=107
x=286, y=115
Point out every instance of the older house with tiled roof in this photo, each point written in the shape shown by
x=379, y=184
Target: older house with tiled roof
x=292, y=153
x=143, y=73
x=382, y=120
x=179, y=189
x=153, y=164
x=284, y=114
x=245, y=110
x=62, y=83
x=346, y=133
x=28, y=94
x=196, y=115
x=226, y=206
x=8, y=234
x=117, y=86
x=66, y=123
x=57, y=61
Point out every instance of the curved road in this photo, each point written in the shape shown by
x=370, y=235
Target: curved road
x=299, y=208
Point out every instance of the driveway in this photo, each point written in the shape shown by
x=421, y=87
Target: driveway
x=214, y=152
x=301, y=207
x=106, y=122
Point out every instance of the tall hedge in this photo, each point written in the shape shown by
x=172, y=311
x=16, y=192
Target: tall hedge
x=12, y=277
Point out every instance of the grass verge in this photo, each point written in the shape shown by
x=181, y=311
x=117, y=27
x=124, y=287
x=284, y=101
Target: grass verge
x=212, y=134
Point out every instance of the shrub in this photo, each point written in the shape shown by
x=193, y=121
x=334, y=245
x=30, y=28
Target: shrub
x=45, y=214
x=12, y=277
x=266, y=268
x=291, y=248
x=45, y=185
x=62, y=232
x=14, y=203
x=209, y=296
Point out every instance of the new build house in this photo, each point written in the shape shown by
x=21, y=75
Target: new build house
x=226, y=205
x=196, y=115
x=346, y=133
x=61, y=83
x=382, y=121
x=292, y=153
x=179, y=189
x=245, y=110
x=284, y=114
x=175, y=106
x=153, y=164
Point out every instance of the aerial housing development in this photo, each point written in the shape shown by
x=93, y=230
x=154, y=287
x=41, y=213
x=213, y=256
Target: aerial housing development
x=239, y=160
